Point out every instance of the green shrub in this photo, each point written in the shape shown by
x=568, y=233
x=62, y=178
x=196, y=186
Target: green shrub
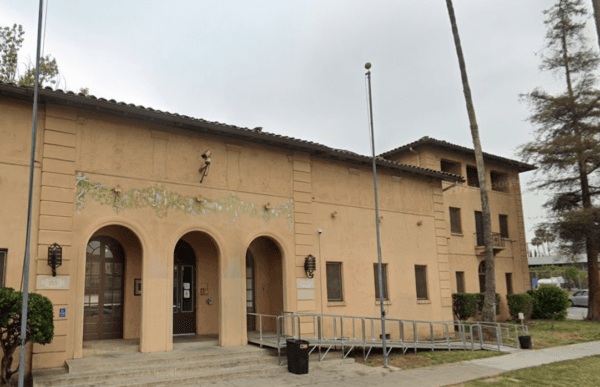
x=480, y=298
x=40, y=325
x=550, y=302
x=520, y=303
x=466, y=305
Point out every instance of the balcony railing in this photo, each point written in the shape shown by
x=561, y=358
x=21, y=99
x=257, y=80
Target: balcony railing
x=497, y=240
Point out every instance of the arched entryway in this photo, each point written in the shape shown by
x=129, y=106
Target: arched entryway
x=111, y=309
x=264, y=283
x=196, y=286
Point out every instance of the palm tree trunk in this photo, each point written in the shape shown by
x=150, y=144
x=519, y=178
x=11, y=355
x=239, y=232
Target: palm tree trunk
x=597, y=17
x=489, y=303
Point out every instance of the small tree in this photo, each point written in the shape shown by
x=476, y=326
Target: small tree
x=40, y=326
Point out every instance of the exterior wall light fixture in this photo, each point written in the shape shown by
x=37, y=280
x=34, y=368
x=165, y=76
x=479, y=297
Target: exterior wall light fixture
x=54, y=257
x=310, y=265
x=204, y=170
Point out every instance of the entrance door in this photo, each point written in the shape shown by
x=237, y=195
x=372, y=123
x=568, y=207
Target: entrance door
x=103, y=300
x=250, y=299
x=184, y=289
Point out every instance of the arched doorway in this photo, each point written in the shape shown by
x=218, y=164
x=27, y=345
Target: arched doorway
x=196, y=286
x=184, y=289
x=104, y=283
x=264, y=282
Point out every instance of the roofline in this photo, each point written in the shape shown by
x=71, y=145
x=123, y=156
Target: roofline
x=71, y=99
x=424, y=141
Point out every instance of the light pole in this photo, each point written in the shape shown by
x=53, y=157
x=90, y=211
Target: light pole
x=29, y=206
x=379, y=265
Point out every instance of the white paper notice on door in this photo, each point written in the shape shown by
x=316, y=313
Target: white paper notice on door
x=186, y=294
x=186, y=285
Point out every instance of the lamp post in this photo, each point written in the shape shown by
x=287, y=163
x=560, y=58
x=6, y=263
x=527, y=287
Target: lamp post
x=30, y=205
x=379, y=265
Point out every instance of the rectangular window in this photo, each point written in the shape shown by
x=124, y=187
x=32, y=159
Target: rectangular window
x=509, y=288
x=472, y=176
x=479, y=228
x=455, y=226
x=460, y=282
x=384, y=276
x=499, y=181
x=421, y=279
x=334, y=281
x=450, y=167
x=504, y=226
x=2, y=268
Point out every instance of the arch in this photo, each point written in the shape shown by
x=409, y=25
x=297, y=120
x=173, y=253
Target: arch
x=264, y=281
x=196, y=309
x=103, y=305
x=132, y=236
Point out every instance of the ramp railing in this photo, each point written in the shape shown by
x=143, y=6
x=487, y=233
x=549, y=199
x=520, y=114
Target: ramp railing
x=347, y=333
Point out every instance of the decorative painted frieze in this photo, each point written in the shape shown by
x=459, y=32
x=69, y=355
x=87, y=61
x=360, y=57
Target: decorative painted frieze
x=162, y=201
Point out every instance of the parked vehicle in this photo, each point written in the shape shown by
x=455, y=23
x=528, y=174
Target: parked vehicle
x=555, y=281
x=579, y=298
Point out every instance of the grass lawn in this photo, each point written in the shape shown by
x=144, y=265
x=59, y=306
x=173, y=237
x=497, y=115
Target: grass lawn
x=545, y=334
x=582, y=372
x=423, y=358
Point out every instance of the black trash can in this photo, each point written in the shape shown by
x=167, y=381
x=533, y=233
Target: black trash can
x=525, y=342
x=297, y=356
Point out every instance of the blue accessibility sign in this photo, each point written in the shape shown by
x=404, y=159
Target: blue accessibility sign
x=62, y=312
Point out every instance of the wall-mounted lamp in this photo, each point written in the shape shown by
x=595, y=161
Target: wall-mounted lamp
x=310, y=265
x=54, y=257
x=204, y=170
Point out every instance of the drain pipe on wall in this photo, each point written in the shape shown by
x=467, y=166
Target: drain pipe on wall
x=321, y=271
x=417, y=153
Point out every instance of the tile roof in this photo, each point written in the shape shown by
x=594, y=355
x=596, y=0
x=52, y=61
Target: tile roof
x=79, y=100
x=522, y=167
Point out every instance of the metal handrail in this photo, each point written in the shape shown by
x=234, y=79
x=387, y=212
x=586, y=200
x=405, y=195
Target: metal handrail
x=330, y=331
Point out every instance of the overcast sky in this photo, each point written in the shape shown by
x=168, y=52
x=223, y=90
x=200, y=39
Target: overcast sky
x=296, y=68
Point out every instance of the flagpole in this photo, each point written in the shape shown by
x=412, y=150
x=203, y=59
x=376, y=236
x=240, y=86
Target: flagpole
x=30, y=206
x=379, y=264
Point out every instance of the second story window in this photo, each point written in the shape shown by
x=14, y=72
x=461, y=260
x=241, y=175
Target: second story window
x=450, y=167
x=455, y=226
x=503, y=226
x=472, y=176
x=499, y=181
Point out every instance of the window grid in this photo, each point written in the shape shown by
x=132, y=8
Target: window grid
x=503, y=226
x=421, y=279
x=455, y=225
x=460, y=282
x=334, y=281
x=2, y=268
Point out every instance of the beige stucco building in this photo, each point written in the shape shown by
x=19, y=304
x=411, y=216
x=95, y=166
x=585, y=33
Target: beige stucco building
x=149, y=251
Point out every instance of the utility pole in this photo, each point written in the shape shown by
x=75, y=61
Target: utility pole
x=30, y=206
x=379, y=265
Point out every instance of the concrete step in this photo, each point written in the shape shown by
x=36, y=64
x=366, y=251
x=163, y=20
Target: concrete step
x=92, y=375
x=208, y=375
x=180, y=357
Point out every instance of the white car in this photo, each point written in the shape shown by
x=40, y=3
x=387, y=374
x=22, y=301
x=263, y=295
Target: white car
x=579, y=298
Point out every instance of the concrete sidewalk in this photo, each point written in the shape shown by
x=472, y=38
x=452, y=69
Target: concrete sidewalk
x=359, y=375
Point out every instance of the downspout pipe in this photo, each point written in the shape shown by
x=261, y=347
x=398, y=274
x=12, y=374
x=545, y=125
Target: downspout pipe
x=417, y=153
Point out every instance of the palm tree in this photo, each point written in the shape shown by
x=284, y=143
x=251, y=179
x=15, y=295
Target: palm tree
x=489, y=307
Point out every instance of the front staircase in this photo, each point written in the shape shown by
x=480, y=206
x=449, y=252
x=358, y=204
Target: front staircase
x=189, y=364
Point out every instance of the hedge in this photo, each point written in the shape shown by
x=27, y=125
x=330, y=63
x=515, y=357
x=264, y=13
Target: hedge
x=520, y=303
x=466, y=305
x=549, y=302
